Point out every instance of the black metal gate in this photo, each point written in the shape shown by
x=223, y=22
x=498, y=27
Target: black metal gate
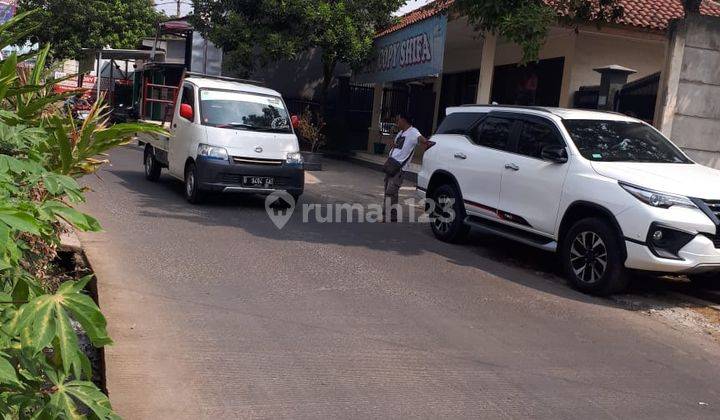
x=637, y=99
x=394, y=101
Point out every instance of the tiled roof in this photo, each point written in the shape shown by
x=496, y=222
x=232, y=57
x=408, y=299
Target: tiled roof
x=644, y=14
x=429, y=10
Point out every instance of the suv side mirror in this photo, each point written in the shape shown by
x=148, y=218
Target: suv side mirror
x=186, y=111
x=554, y=153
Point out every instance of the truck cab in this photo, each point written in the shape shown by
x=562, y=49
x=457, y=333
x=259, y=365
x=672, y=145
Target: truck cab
x=226, y=136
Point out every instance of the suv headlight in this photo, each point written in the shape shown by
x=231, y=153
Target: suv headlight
x=656, y=198
x=212, y=152
x=294, y=158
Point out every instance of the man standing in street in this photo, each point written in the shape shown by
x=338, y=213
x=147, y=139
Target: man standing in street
x=398, y=162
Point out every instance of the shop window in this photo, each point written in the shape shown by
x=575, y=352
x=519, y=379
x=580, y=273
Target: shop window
x=537, y=83
x=457, y=89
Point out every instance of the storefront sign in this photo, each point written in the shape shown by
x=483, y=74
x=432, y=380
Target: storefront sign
x=413, y=52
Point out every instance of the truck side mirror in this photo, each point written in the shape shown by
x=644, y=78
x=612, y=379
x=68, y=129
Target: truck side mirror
x=295, y=121
x=186, y=111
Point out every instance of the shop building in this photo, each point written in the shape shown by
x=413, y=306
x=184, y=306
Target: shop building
x=432, y=59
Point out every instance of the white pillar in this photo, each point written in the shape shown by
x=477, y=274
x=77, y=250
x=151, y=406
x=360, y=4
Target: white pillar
x=437, y=88
x=487, y=66
x=98, y=79
x=566, y=95
x=374, y=129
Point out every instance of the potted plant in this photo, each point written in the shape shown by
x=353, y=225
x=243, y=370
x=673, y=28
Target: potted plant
x=310, y=126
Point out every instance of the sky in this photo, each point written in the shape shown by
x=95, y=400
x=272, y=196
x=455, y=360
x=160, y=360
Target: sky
x=170, y=6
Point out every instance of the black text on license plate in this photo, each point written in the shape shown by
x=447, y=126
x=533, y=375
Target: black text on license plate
x=258, y=181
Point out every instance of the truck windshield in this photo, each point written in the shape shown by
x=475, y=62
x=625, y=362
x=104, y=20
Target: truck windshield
x=622, y=141
x=243, y=111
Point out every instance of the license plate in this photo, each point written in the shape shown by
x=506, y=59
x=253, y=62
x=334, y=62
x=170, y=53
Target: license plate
x=258, y=181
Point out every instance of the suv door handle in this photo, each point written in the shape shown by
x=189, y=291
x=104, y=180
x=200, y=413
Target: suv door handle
x=460, y=155
x=512, y=166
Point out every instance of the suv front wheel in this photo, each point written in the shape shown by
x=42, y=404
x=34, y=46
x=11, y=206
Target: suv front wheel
x=592, y=257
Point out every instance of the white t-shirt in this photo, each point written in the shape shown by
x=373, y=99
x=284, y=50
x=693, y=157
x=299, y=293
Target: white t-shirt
x=405, y=143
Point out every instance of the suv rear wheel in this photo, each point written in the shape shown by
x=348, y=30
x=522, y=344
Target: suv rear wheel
x=592, y=258
x=447, y=218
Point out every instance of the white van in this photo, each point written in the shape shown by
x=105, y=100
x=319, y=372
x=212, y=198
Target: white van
x=227, y=136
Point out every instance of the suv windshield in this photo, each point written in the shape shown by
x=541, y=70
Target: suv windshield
x=622, y=141
x=243, y=111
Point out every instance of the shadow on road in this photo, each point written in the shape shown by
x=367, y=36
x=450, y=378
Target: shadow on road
x=503, y=258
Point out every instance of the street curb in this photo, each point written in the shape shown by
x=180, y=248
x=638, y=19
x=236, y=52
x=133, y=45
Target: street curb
x=69, y=241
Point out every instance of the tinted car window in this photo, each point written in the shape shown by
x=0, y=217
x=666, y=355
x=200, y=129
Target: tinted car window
x=187, y=96
x=622, y=141
x=534, y=136
x=494, y=132
x=459, y=123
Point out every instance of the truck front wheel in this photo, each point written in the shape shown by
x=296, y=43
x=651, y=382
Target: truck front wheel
x=152, y=166
x=193, y=194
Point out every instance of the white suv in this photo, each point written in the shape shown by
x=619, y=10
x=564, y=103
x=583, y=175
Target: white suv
x=606, y=191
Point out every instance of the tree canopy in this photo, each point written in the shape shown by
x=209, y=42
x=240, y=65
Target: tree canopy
x=255, y=32
x=528, y=22
x=70, y=25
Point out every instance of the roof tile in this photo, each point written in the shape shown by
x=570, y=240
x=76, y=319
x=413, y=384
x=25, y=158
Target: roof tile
x=644, y=14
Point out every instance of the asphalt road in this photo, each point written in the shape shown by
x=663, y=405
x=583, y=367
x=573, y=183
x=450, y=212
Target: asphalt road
x=218, y=314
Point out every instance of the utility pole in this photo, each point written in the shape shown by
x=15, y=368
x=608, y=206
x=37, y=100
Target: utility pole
x=178, y=8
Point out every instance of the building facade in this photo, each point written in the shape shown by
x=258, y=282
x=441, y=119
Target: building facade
x=433, y=59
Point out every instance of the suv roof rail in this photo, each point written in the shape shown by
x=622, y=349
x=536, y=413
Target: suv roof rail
x=534, y=108
x=225, y=78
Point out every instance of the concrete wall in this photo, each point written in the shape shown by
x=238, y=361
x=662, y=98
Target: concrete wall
x=689, y=106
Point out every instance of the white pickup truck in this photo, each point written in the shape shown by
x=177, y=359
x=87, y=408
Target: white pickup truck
x=226, y=136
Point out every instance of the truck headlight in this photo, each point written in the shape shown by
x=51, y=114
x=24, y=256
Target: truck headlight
x=656, y=198
x=212, y=152
x=294, y=158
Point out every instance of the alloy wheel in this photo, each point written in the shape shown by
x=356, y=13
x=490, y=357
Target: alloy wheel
x=588, y=257
x=190, y=183
x=441, y=216
x=148, y=163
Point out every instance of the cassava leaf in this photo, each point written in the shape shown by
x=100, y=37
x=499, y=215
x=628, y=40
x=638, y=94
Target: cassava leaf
x=7, y=372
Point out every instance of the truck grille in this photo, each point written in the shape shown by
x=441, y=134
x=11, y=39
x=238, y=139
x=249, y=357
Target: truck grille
x=257, y=161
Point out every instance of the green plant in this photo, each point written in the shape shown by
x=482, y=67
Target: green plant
x=253, y=32
x=43, y=372
x=72, y=25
